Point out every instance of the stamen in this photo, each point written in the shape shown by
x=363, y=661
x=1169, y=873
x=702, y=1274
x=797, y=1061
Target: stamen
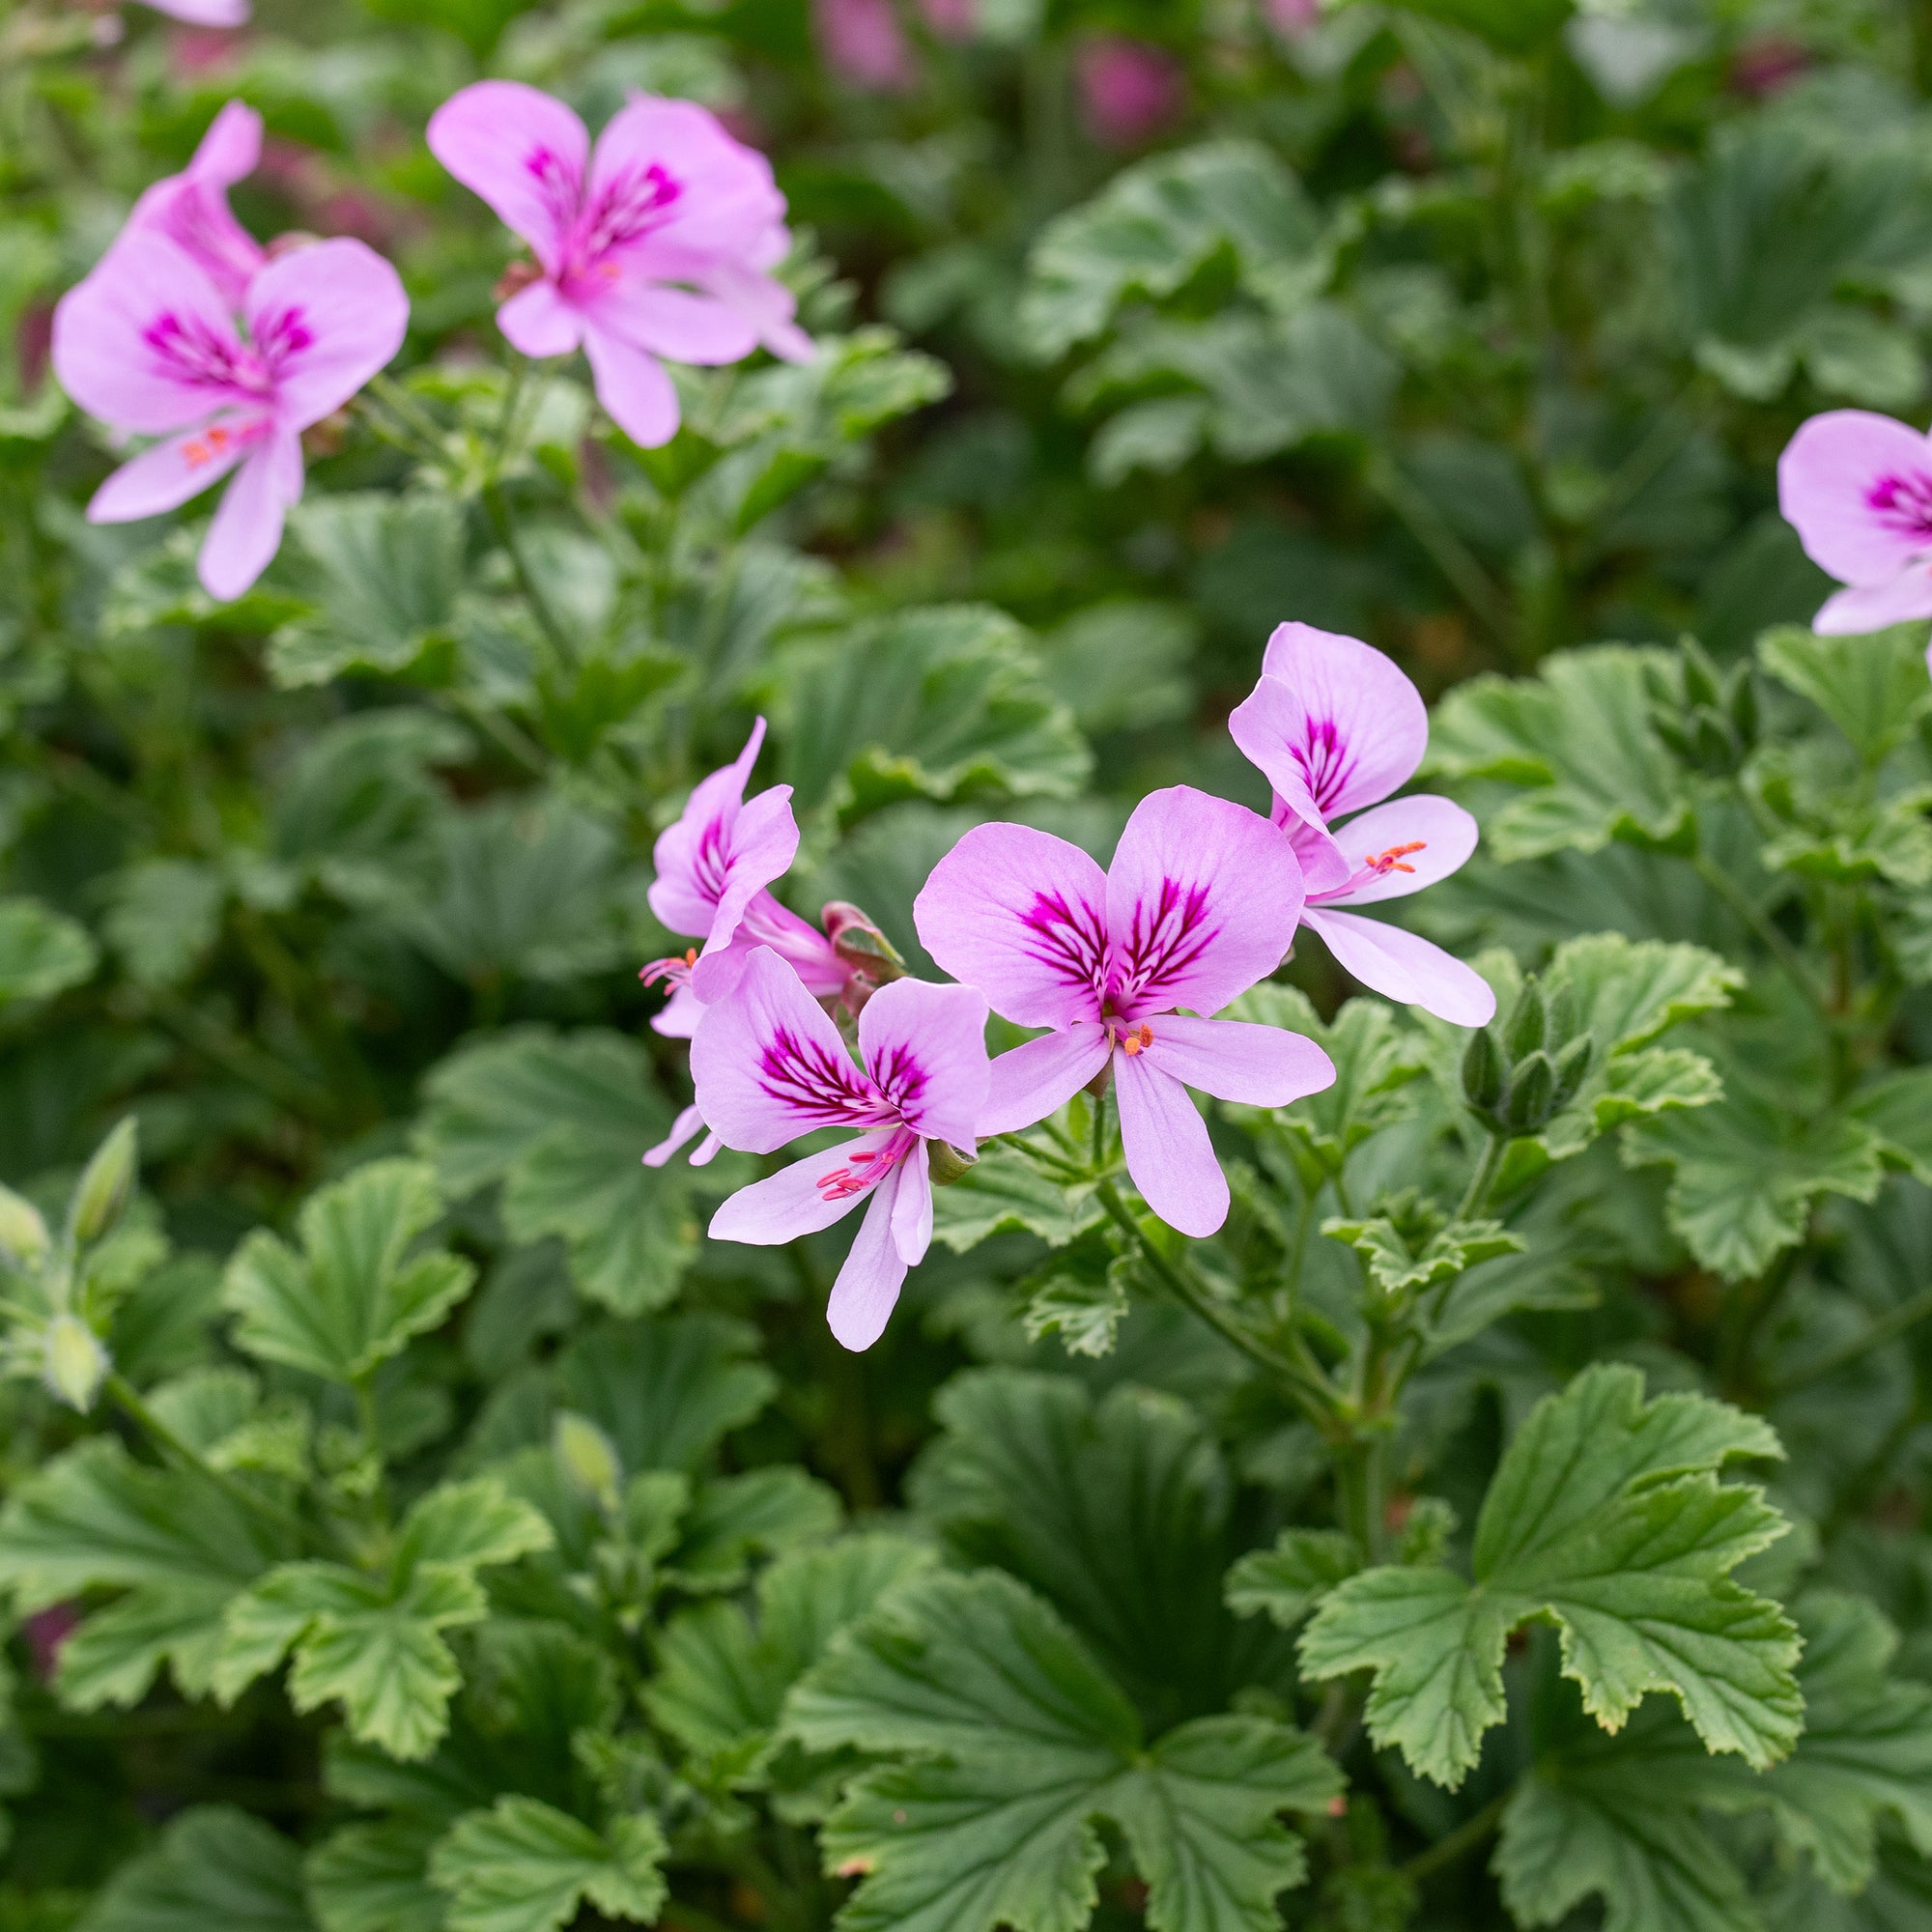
x=1391, y=861
x=1132, y=1040
x=874, y=1163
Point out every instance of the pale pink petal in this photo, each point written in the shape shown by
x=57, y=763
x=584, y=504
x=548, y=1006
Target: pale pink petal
x=1202, y=900
x=1033, y=1081
x=800, y=1199
x=680, y=1015
x=687, y=1123
x=925, y=1049
x=167, y=475
x=230, y=149
x=801, y=945
x=1404, y=966
x=325, y=319
x=706, y=1151
x=1324, y=865
x=522, y=152
x=204, y=12
x=1871, y=606
x=762, y=299
x=769, y=1065
x=763, y=840
x=912, y=1208
x=867, y=1289
x=674, y=323
x=640, y=399
x=1858, y=489
x=248, y=527
x=191, y=209
x=1236, y=1059
x=1022, y=916
x=1168, y=1154
x=689, y=854
x=665, y=175
x=1357, y=726
x=1400, y=847
x=863, y=44
x=538, y=321
x=145, y=342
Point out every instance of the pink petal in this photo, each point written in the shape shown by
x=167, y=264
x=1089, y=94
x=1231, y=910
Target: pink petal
x=687, y=1123
x=668, y=172
x=1034, y=1080
x=1858, y=489
x=925, y=1049
x=867, y=1289
x=762, y=843
x=680, y=1015
x=912, y=1208
x=1168, y=1154
x=639, y=398
x=803, y=947
x=685, y=893
x=863, y=44
x=204, y=12
x=1236, y=1059
x=1871, y=606
x=145, y=342
x=1404, y=966
x=325, y=319
x=1440, y=834
x=1202, y=900
x=538, y=321
x=1022, y=916
x=795, y=1200
x=230, y=149
x=706, y=1151
x=675, y=323
x=1348, y=728
x=769, y=1065
x=191, y=209
x=522, y=152
x=167, y=475
x=248, y=527
x=764, y=301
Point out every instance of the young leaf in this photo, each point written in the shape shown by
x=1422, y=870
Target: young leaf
x=1400, y=1261
x=1021, y=1743
x=41, y=952
x=350, y=1299
x=525, y=1866
x=1606, y=1517
x=1872, y=688
x=1004, y=1192
x=373, y=1878
x=215, y=1866
x=1287, y=1581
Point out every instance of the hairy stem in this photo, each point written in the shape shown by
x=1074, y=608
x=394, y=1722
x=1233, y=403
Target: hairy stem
x=1476, y=1195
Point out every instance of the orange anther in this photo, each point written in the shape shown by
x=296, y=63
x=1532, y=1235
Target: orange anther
x=1391, y=860
x=1139, y=1039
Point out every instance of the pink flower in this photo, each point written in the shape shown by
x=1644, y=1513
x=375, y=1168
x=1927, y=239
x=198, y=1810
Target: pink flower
x=148, y=344
x=204, y=12
x=1858, y=489
x=770, y=1066
x=861, y=41
x=1335, y=725
x=667, y=197
x=1129, y=90
x=191, y=209
x=951, y=19
x=1200, y=905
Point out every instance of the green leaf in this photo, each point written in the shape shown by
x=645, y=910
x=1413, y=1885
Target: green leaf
x=1872, y=688
x=1897, y=1107
x=116, y=1655
x=722, y=1680
x=384, y=574
x=1121, y=666
x=1606, y=1517
x=1577, y=742
x=351, y=1300
x=1020, y=1745
x=371, y=1878
x=1083, y=1303
x=215, y=1866
x=1005, y=1192
x=1156, y=224
x=41, y=952
x=732, y=1520
x=1287, y=1581
x=563, y=1121
x=161, y=587
x=470, y=1524
x=1514, y=26
x=162, y=915
x=1746, y=1172
x=1402, y=1262
x=525, y=1866
x=943, y=703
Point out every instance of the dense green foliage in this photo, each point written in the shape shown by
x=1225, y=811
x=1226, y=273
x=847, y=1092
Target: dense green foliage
x=412, y=1521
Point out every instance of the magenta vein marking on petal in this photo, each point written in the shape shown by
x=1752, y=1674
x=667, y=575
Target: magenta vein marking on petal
x=711, y=863
x=627, y=208
x=821, y=1087
x=1327, y=762
x=190, y=352
x=1903, y=503
x=899, y=1077
x=1162, y=944
x=1069, y=941
x=557, y=183
x=283, y=335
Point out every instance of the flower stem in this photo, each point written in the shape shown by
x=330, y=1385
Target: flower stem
x=1764, y=931
x=1465, y=1837
x=499, y=509
x=1477, y=1193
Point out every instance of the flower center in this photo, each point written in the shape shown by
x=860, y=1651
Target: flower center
x=869, y=1166
x=1903, y=503
x=627, y=208
x=675, y=973
x=1130, y=1040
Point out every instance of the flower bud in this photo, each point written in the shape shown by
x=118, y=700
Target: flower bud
x=1559, y=1005
x=1482, y=1070
x=23, y=1236
x=74, y=1364
x=1527, y=1024
x=587, y=1456
x=1570, y=1065
x=1532, y=1086
x=860, y=943
x=102, y=1190
x=947, y=1163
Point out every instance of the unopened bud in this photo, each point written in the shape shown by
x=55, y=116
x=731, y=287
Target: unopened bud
x=1701, y=684
x=102, y=1190
x=1571, y=1067
x=1532, y=1083
x=1482, y=1070
x=1559, y=1005
x=74, y=1363
x=1527, y=1024
x=23, y=1235
x=858, y=941
x=587, y=1456
x=947, y=1163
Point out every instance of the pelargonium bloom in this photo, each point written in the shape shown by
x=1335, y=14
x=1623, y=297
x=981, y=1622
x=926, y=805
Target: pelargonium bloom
x=1200, y=903
x=148, y=344
x=191, y=209
x=770, y=1067
x=1858, y=489
x=1335, y=725
x=665, y=198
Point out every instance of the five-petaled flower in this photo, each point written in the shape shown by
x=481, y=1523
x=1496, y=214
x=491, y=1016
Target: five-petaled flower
x=713, y=866
x=1858, y=489
x=658, y=242
x=148, y=343
x=1334, y=726
x=770, y=1067
x=1200, y=903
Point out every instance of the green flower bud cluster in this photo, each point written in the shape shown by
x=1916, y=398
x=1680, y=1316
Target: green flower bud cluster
x=1517, y=1084
x=1708, y=718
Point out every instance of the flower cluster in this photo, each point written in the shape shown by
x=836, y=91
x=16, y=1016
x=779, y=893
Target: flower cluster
x=657, y=244
x=1124, y=972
